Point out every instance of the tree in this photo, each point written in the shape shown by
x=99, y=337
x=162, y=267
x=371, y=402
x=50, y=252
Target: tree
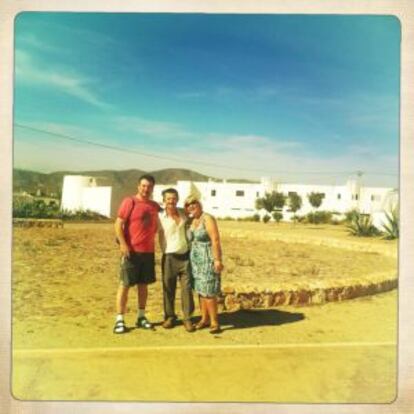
x=265, y=202
x=315, y=199
x=295, y=204
x=270, y=201
x=279, y=199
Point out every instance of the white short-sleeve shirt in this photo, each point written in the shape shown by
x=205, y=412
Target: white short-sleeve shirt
x=173, y=238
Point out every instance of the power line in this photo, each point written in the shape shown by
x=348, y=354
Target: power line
x=188, y=161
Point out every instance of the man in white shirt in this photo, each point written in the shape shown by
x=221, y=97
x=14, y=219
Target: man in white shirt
x=175, y=261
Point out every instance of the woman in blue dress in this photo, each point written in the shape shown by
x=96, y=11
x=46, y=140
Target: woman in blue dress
x=206, y=262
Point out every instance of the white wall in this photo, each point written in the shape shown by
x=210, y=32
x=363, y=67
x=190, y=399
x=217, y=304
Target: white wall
x=97, y=199
x=72, y=190
x=81, y=193
x=222, y=200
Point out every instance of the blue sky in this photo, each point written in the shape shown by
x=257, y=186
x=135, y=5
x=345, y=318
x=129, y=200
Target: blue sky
x=244, y=96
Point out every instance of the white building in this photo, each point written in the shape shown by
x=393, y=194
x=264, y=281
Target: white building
x=82, y=193
x=236, y=200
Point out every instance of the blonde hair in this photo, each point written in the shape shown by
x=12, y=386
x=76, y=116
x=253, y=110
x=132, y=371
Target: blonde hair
x=191, y=199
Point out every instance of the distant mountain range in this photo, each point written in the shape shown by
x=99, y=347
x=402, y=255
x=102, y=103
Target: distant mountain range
x=123, y=183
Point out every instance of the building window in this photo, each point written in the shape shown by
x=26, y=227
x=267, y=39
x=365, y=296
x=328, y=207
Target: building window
x=356, y=196
x=257, y=194
x=213, y=193
x=239, y=193
x=338, y=196
x=290, y=193
x=375, y=197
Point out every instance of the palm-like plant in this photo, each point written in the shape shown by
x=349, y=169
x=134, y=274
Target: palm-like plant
x=392, y=225
x=361, y=226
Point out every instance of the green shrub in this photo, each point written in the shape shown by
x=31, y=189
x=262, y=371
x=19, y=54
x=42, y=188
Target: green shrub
x=361, y=226
x=38, y=209
x=299, y=219
x=277, y=216
x=295, y=218
x=392, y=225
x=350, y=215
x=318, y=217
x=227, y=218
x=266, y=218
x=35, y=209
x=255, y=217
x=82, y=215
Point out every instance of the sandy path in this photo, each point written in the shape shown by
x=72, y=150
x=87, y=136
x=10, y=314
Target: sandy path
x=342, y=352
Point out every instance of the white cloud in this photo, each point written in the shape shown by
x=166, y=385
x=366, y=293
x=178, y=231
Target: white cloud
x=152, y=128
x=247, y=143
x=30, y=40
x=74, y=85
x=206, y=142
x=231, y=156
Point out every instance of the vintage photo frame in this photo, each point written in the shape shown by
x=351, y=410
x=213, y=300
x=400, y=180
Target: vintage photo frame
x=403, y=10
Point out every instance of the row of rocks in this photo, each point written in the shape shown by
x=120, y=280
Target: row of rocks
x=52, y=223
x=232, y=300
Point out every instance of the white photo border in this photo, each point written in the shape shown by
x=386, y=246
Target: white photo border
x=402, y=9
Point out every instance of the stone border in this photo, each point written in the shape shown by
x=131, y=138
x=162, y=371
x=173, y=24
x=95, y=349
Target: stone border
x=51, y=223
x=233, y=301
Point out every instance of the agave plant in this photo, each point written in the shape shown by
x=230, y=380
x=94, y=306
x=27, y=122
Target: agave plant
x=361, y=226
x=392, y=225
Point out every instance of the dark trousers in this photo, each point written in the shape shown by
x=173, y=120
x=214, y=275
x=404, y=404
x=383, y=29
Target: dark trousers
x=176, y=267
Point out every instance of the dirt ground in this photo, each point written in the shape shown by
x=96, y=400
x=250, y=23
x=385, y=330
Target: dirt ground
x=63, y=307
x=336, y=353
x=64, y=280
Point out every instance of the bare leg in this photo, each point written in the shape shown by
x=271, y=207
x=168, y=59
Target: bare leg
x=204, y=313
x=142, y=296
x=211, y=305
x=121, y=299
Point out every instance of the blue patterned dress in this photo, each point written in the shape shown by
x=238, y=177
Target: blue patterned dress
x=206, y=281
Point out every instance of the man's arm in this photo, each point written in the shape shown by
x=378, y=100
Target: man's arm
x=161, y=236
x=119, y=231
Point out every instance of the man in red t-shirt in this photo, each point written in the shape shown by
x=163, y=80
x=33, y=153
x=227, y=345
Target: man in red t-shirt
x=135, y=228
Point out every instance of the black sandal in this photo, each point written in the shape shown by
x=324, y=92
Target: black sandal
x=119, y=327
x=144, y=323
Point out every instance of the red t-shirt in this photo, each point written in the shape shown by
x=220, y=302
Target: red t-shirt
x=141, y=227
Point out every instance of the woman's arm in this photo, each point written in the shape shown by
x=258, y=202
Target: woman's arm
x=212, y=230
